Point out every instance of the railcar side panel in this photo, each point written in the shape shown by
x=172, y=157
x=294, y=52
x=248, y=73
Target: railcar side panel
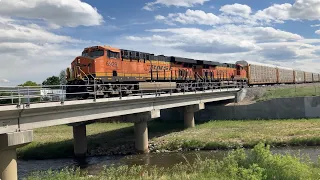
x=308, y=77
x=315, y=77
x=299, y=76
x=259, y=74
x=285, y=75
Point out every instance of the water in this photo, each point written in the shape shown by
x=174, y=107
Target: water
x=95, y=164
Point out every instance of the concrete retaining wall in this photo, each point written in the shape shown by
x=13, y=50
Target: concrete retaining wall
x=282, y=108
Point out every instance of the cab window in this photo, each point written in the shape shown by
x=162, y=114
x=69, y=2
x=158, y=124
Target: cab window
x=112, y=54
x=96, y=53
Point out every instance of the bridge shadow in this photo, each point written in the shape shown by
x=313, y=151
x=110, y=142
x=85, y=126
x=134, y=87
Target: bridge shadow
x=115, y=142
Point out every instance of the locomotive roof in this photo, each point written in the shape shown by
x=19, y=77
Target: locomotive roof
x=184, y=60
x=213, y=63
x=104, y=47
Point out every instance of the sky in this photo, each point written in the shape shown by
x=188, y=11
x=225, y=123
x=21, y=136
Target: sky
x=39, y=38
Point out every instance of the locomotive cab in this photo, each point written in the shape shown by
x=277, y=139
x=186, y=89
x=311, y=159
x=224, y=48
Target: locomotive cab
x=241, y=73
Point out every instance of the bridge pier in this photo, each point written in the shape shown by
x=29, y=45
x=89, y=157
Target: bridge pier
x=8, y=157
x=189, y=114
x=140, y=121
x=141, y=136
x=80, y=144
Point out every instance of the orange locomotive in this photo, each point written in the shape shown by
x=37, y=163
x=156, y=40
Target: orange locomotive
x=108, y=67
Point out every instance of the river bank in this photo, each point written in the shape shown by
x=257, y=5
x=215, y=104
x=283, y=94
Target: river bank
x=257, y=163
x=118, y=138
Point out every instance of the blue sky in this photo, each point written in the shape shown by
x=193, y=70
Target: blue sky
x=40, y=38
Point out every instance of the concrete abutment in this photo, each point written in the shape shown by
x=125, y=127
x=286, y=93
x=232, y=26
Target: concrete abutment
x=8, y=157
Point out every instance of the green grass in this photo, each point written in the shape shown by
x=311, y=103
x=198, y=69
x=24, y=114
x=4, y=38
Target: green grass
x=257, y=164
x=234, y=134
x=290, y=92
x=113, y=138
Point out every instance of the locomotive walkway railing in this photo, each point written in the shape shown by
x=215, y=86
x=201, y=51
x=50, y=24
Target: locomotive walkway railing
x=27, y=95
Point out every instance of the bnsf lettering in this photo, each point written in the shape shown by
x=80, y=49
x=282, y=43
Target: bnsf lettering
x=112, y=64
x=160, y=68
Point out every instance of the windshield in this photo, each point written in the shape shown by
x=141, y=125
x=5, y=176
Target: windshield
x=93, y=54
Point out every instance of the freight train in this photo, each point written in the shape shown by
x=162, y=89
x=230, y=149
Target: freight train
x=108, y=71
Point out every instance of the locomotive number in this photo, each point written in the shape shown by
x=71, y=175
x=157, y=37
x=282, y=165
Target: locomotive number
x=160, y=68
x=112, y=64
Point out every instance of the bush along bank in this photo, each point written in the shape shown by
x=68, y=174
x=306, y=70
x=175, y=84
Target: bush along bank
x=256, y=164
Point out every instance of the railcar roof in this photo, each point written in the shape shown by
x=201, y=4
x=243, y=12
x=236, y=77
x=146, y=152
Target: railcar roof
x=263, y=64
x=255, y=63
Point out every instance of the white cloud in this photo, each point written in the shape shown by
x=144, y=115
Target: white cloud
x=159, y=17
x=194, y=17
x=236, y=9
x=263, y=34
x=203, y=18
x=112, y=18
x=306, y=9
x=61, y=13
x=197, y=40
x=238, y=33
x=287, y=51
x=276, y=12
x=4, y=81
x=300, y=10
x=28, y=48
x=178, y=3
x=242, y=14
x=28, y=61
x=11, y=32
x=315, y=25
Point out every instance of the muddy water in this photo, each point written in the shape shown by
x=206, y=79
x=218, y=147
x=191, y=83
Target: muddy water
x=95, y=164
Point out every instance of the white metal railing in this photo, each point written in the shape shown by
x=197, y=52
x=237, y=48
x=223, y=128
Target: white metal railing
x=27, y=95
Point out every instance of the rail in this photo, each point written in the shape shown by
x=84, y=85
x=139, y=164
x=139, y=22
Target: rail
x=27, y=95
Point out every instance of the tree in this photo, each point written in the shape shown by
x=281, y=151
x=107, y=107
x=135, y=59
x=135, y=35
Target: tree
x=29, y=83
x=51, y=81
x=29, y=94
x=63, y=80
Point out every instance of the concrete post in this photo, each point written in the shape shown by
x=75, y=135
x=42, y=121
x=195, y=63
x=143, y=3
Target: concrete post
x=80, y=141
x=8, y=158
x=141, y=128
x=141, y=136
x=189, y=114
x=189, y=119
x=8, y=164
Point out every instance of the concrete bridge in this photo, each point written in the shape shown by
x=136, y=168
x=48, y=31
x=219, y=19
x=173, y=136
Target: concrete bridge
x=17, y=122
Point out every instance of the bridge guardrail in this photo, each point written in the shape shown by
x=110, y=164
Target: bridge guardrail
x=27, y=95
